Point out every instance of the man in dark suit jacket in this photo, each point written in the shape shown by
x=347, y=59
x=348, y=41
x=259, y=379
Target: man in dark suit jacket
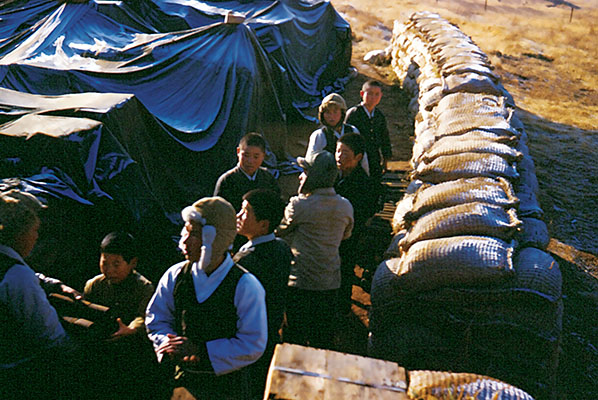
x=269, y=259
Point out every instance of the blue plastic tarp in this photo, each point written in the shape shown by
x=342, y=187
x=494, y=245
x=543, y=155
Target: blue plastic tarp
x=204, y=83
x=198, y=80
x=126, y=111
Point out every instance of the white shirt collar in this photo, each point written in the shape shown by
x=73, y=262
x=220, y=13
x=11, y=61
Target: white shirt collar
x=340, y=134
x=250, y=177
x=370, y=115
x=258, y=240
x=206, y=285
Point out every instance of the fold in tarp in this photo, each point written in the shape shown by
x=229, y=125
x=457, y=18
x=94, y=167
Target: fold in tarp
x=67, y=151
x=106, y=134
x=186, y=78
x=70, y=157
x=130, y=109
x=199, y=81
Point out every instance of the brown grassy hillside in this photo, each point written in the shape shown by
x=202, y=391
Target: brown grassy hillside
x=550, y=67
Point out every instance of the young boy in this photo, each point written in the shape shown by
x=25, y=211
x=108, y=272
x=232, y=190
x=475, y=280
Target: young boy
x=331, y=114
x=371, y=123
x=363, y=193
x=269, y=259
x=126, y=359
x=119, y=286
x=208, y=315
x=248, y=174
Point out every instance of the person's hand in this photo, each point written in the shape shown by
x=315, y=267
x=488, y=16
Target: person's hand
x=70, y=291
x=179, y=349
x=123, y=330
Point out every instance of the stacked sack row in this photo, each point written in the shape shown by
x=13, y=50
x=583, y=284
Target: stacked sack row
x=468, y=285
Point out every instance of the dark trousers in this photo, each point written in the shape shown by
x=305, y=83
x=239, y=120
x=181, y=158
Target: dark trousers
x=47, y=376
x=208, y=386
x=258, y=371
x=349, y=254
x=311, y=317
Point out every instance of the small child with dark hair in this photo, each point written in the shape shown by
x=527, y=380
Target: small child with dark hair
x=248, y=174
x=119, y=286
x=126, y=359
x=371, y=122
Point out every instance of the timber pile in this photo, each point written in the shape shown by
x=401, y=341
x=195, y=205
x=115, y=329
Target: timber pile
x=468, y=285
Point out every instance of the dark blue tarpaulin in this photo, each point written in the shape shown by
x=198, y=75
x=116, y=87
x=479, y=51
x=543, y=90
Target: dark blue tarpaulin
x=131, y=110
x=192, y=79
x=206, y=84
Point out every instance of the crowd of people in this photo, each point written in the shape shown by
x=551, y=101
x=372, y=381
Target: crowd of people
x=257, y=270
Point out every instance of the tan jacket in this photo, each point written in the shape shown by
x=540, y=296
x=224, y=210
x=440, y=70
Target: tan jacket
x=314, y=226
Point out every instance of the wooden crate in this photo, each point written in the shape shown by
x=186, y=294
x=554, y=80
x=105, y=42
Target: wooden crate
x=299, y=372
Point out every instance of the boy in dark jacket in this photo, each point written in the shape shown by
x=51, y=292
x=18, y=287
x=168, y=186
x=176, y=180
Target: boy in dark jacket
x=248, y=174
x=269, y=259
x=363, y=194
x=371, y=123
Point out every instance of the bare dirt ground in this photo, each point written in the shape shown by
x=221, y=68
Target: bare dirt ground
x=548, y=64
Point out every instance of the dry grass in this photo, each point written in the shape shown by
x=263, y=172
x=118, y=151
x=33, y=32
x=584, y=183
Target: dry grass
x=550, y=67
x=561, y=85
x=547, y=64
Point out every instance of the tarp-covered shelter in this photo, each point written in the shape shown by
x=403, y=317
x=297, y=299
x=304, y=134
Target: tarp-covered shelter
x=139, y=105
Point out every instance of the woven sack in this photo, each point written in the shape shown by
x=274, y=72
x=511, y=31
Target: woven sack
x=465, y=165
x=402, y=208
x=528, y=201
x=426, y=138
x=472, y=83
x=533, y=233
x=478, y=101
x=453, y=261
x=539, y=273
x=447, y=385
x=430, y=197
x=527, y=172
x=451, y=145
x=467, y=119
x=393, y=248
x=477, y=218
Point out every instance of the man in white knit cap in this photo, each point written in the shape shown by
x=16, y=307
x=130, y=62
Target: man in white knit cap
x=208, y=315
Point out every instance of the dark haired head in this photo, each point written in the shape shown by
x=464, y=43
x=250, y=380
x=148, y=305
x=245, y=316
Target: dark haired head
x=354, y=141
x=253, y=139
x=266, y=205
x=371, y=83
x=119, y=243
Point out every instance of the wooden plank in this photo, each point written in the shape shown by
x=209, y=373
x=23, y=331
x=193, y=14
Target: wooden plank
x=299, y=372
x=398, y=166
x=395, y=184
